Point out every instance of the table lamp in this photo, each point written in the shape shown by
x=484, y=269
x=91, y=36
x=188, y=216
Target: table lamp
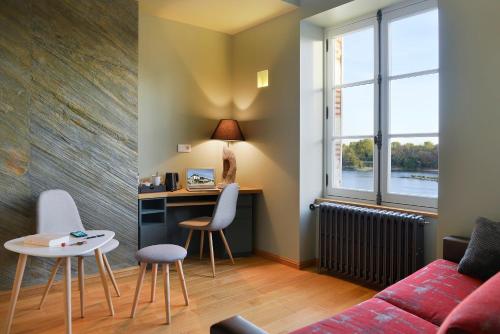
x=228, y=130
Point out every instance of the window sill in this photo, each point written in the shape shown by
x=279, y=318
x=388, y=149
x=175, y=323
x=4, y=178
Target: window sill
x=428, y=214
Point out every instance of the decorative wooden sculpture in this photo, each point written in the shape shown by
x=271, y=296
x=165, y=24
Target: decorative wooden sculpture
x=228, y=130
x=229, y=166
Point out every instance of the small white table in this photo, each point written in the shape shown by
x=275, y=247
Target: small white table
x=18, y=246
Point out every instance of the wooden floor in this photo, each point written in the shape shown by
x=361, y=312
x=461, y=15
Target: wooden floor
x=275, y=297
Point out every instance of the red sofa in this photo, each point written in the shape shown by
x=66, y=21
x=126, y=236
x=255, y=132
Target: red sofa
x=436, y=298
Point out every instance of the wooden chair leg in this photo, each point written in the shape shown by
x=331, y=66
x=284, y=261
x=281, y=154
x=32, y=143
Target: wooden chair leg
x=21, y=264
x=50, y=282
x=154, y=271
x=202, y=237
x=166, y=284
x=138, y=287
x=188, y=239
x=212, y=260
x=81, y=285
x=228, y=250
x=183, y=281
x=111, y=275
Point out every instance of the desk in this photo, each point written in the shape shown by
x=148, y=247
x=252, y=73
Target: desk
x=18, y=246
x=159, y=214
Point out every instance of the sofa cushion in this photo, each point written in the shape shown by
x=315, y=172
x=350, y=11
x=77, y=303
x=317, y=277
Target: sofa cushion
x=373, y=316
x=482, y=257
x=431, y=292
x=478, y=313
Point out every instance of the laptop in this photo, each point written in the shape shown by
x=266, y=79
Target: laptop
x=200, y=179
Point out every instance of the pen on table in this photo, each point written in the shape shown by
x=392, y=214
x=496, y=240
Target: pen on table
x=95, y=236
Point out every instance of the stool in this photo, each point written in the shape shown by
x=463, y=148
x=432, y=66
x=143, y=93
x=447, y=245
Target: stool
x=165, y=255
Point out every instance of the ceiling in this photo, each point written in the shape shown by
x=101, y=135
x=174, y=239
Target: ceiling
x=227, y=16
x=349, y=11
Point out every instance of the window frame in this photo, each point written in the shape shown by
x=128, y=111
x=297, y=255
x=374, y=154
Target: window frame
x=330, y=34
x=389, y=14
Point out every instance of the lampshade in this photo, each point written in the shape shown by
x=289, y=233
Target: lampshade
x=229, y=130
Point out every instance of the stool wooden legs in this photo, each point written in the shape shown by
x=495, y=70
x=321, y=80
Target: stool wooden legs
x=50, y=282
x=140, y=279
x=154, y=271
x=211, y=246
x=21, y=264
x=178, y=264
x=166, y=285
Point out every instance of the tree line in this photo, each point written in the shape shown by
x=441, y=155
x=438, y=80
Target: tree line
x=358, y=155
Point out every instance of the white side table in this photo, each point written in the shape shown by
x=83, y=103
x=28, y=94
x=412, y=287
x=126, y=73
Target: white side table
x=18, y=246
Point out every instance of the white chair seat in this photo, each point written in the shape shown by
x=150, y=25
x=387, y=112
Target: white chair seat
x=108, y=247
x=200, y=223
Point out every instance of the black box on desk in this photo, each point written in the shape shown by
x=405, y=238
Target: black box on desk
x=151, y=189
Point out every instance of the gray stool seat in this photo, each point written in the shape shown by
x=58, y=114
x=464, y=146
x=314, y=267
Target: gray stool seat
x=161, y=254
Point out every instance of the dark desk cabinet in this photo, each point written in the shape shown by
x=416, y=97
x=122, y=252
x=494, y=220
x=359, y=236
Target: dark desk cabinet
x=159, y=219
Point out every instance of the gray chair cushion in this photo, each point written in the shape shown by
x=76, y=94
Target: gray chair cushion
x=482, y=257
x=161, y=254
x=108, y=247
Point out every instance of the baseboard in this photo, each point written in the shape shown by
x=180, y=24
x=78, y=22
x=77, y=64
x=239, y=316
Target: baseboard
x=285, y=260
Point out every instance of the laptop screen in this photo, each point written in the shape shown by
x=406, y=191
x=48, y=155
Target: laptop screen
x=200, y=177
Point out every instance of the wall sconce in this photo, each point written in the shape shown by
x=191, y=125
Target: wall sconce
x=262, y=79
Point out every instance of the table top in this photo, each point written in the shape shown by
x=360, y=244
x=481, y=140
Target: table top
x=185, y=193
x=18, y=246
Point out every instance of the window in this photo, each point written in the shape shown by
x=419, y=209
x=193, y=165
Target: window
x=383, y=85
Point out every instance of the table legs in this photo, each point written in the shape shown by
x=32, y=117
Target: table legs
x=100, y=265
x=21, y=264
x=81, y=284
x=67, y=294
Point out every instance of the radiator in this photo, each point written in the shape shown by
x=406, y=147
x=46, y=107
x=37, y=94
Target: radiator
x=371, y=246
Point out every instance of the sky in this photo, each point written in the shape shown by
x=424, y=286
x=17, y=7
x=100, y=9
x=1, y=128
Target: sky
x=413, y=47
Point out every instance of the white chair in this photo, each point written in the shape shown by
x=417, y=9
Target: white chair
x=57, y=213
x=223, y=216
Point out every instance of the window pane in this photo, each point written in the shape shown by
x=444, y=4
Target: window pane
x=353, y=164
x=354, y=111
x=414, y=166
x=354, y=56
x=414, y=105
x=413, y=43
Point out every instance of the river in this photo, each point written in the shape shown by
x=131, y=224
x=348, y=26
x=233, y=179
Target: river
x=400, y=182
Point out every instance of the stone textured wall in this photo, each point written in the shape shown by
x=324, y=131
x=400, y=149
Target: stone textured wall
x=68, y=119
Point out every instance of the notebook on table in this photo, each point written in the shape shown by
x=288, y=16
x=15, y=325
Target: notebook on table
x=47, y=239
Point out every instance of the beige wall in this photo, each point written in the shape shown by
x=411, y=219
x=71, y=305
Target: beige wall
x=271, y=120
x=469, y=115
x=184, y=89
x=311, y=133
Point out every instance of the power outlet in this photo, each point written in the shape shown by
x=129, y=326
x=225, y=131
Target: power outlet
x=183, y=148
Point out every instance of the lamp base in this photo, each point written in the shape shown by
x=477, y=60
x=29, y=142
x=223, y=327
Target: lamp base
x=229, y=166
